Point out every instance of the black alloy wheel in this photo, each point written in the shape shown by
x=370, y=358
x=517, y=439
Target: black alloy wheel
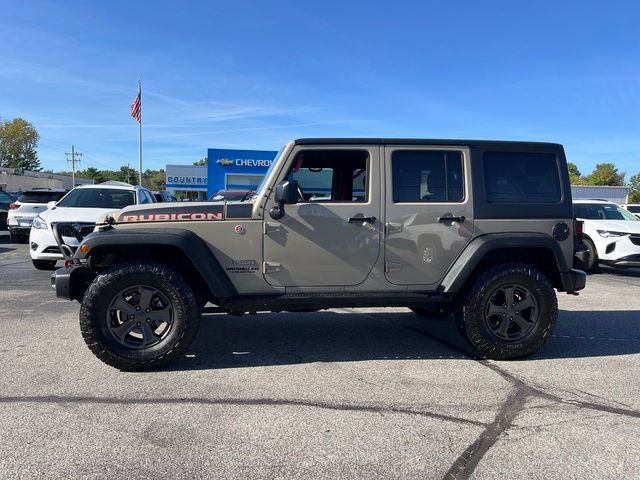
x=512, y=313
x=140, y=317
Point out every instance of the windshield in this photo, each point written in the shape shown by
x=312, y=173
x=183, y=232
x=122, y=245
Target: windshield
x=40, y=197
x=98, y=198
x=602, y=211
x=269, y=171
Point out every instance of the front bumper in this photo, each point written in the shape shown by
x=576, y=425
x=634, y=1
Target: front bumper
x=71, y=282
x=19, y=230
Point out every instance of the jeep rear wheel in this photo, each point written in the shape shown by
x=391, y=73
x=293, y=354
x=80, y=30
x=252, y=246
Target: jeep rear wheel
x=509, y=313
x=139, y=315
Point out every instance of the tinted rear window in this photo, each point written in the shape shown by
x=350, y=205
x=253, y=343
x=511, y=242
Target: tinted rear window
x=512, y=177
x=634, y=208
x=98, y=198
x=40, y=197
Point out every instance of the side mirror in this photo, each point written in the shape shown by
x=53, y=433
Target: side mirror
x=286, y=194
x=51, y=204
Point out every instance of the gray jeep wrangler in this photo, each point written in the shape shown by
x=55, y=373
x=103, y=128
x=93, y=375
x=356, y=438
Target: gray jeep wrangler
x=480, y=229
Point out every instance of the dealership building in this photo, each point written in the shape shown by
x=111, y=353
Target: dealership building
x=225, y=170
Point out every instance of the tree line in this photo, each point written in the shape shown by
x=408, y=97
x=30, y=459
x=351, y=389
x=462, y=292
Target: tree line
x=19, y=143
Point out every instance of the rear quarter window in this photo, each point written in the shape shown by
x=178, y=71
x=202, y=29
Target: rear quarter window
x=514, y=177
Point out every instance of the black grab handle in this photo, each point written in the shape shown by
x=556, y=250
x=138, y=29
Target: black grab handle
x=459, y=219
x=362, y=219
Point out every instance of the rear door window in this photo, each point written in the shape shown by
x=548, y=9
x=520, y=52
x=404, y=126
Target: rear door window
x=513, y=177
x=427, y=176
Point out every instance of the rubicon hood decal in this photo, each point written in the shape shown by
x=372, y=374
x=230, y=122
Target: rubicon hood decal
x=186, y=213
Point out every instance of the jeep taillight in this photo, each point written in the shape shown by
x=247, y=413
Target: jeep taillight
x=13, y=206
x=578, y=230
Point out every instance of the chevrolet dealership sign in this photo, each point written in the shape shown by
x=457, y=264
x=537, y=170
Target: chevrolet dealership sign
x=245, y=162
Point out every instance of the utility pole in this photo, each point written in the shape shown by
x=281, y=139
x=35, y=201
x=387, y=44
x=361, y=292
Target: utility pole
x=73, y=162
x=128, y=173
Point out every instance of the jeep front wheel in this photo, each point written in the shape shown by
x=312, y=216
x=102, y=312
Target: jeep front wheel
x=509, y=313
x=139, y=315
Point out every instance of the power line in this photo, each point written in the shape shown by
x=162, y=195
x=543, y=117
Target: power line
x=73, y=162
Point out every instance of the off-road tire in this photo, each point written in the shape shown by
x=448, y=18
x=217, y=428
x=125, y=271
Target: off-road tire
x=44, y=264
x=433, y=311
x=591, y=265
x=94, y=311
x=471, y=315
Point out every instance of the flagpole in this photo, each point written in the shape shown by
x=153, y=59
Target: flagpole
x=140, y=136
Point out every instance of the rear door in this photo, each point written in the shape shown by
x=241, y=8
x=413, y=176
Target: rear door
x=429, y=215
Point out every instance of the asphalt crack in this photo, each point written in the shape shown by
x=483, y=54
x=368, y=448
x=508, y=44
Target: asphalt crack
x=60, y=399
x=466, y=463
x=521, y=392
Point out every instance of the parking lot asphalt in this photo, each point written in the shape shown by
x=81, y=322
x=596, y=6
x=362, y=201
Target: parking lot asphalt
x=345, y=393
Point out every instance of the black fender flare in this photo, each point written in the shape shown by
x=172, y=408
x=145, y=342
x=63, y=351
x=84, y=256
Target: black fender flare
x=191, y=245
x=479, y=247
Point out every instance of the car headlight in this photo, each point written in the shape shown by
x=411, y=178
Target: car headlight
x=608, y=233
x=39, y=223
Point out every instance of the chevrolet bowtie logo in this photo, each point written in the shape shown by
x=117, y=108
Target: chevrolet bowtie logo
x=225, y=161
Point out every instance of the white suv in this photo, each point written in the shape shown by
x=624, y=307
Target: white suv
x=633, y=208
x=81, y=207
x=26, y=208
x=611, y=234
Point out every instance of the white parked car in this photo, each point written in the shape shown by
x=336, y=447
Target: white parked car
x=610, y=233
x=26, y=208
x=633, y=208
x=80, y=208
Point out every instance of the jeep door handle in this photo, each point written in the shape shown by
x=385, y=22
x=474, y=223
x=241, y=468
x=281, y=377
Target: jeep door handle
x=459, y=219
x=362, y=219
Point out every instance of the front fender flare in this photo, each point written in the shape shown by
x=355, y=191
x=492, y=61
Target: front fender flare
x=191, y=245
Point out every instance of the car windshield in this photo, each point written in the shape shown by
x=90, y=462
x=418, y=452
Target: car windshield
x=98, y=198
x=602, y=211
x=40, y=197
x=271, y=167
x=5, y=198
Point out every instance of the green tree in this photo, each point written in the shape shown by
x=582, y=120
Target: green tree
x=634, y=188
x=574, y=174
x=154, y=179
x=203, y=162
x=606, y=174
x=96, y=175
x=18, y=143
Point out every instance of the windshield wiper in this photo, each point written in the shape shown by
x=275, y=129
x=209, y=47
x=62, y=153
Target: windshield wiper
x=249, y=195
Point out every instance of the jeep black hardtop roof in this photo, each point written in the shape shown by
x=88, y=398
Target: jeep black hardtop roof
x=423, y=141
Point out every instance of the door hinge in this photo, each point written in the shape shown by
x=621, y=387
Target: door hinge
x=269, y=227
x=270, y=267
x=392, y=227
x=392, y=267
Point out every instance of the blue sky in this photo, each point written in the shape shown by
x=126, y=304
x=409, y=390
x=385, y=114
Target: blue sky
x=252, y=75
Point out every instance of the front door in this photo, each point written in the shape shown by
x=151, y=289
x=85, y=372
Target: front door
x=331, y=237
x=429, y=218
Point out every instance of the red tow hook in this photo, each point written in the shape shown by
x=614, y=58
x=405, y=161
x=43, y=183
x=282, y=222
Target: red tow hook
x=68, y=263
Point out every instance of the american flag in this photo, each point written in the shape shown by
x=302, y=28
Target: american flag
x=136, y=107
